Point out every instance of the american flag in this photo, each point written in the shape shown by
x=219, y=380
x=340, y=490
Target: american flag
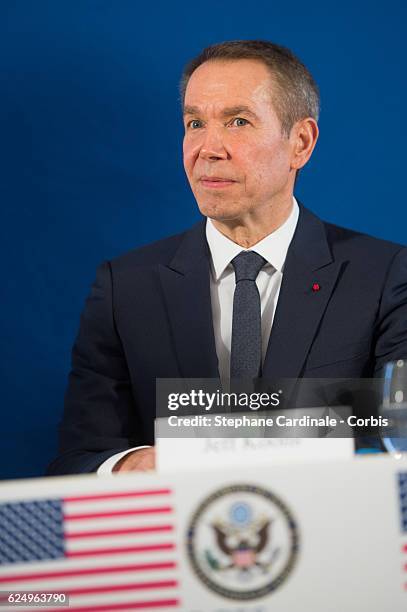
x=402, y=481
x=113, y=551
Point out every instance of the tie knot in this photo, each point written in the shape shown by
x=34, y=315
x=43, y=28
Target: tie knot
x=247, y=265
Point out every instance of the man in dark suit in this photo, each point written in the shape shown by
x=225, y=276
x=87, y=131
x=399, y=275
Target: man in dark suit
x=330, y=302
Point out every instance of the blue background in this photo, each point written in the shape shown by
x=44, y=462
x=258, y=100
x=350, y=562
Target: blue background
x=91, y=166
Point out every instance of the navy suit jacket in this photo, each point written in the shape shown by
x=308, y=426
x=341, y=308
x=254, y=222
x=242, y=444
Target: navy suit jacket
x=149, y=316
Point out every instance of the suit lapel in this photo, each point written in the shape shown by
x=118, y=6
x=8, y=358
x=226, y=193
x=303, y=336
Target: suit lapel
x=309, y=277
x=185, y=283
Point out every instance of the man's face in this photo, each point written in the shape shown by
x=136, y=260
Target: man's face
x=236, y=157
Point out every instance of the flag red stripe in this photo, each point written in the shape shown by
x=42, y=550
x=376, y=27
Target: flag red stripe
x=130, y=605
x=117, y=550
x=112, y=532
x=160, y=584
x=139, y=567
x=85, y=498
x=95, y=515
x=405, y=550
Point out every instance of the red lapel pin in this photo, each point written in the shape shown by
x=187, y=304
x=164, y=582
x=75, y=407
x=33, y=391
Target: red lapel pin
x=316, y=287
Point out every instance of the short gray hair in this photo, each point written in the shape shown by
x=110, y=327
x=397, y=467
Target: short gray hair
x=297, y=94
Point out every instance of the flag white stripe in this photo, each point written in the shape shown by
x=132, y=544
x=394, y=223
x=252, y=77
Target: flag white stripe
x=60, y=565
x=135, y=595
x=146, y=527
x=71, y=509
x=118, y=541
x=97, y=580
x=121, y=522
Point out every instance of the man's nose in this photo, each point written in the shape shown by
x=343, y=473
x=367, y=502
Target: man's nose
x=213, y=147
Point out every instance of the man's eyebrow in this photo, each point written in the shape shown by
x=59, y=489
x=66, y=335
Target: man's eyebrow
x=237, y=110
x=230, y=111
x=191, y=110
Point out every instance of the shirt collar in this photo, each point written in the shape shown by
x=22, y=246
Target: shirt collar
x=273, y=247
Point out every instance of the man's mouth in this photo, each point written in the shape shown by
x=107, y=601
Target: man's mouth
x=216, y=182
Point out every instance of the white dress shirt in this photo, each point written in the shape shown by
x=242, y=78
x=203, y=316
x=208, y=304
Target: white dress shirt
x=274, y=249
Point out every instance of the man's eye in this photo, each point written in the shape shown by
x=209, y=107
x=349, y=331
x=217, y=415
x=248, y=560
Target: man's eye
x=194, y=124
x=239, y=122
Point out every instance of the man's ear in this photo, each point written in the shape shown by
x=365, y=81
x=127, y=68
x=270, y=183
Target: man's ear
x=303, y=136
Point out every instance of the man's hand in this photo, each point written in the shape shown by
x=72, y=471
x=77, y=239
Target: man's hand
x=141, y=460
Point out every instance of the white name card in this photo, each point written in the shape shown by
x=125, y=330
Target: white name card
x=212, y=453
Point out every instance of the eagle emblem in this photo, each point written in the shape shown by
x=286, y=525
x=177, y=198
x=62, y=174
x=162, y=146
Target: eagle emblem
x=242, y=547
x=242, y=542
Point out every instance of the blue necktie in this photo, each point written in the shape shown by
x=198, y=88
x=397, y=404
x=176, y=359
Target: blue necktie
x=245, y=357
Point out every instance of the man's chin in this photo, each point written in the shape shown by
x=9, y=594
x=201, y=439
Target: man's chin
x=220, y=212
